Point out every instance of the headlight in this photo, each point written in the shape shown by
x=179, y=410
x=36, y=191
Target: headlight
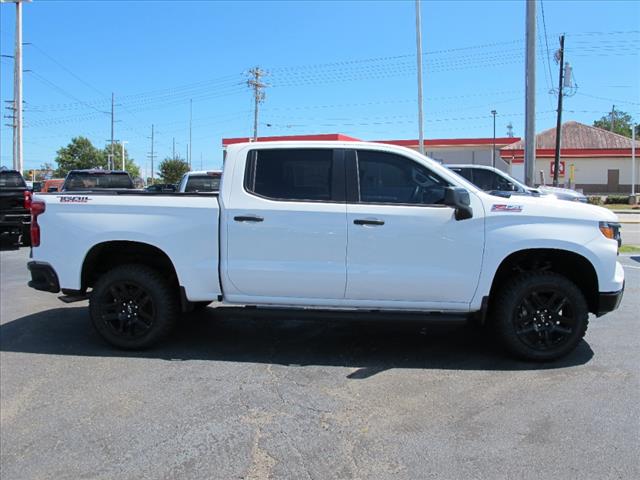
x=611, y=230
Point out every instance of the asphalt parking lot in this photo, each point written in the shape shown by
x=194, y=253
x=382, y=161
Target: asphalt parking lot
x=276, y=398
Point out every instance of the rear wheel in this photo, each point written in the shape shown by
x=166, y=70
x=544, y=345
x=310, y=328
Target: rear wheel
x=133, y=307
x=540, y=316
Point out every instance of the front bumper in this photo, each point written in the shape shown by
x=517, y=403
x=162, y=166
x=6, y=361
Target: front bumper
x=43, y=277
x=609, y=301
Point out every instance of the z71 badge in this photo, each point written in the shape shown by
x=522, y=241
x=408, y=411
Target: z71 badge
x=502, y=207
x=74, y=199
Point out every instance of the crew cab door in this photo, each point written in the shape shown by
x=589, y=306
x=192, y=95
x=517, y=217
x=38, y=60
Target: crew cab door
x=286, y=227
x=405, y=247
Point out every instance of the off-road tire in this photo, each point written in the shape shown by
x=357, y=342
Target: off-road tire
x=506, y=316
x=138, y=324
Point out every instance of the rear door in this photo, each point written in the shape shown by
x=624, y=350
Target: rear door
x=405, y=247
x=286, y=227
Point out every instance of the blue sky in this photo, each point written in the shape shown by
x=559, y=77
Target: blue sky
x=334, y=67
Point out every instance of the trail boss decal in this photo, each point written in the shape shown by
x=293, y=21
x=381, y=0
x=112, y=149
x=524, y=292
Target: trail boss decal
x=74, y=199
x=502, y=207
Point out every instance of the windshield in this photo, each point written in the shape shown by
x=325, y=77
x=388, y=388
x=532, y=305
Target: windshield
x=203, y=183
x=87, y=181
x=11, y=180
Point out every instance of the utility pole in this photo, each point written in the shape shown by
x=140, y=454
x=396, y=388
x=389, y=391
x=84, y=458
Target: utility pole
x=613, y=118
x=173, y=155
x=18, y=160
x=200, y=160
x=258, y=95
x=152, y=155
x=419, y=58
x=190, y=123
x=530, y=94
x=493, y=151
x=556, y=161
x=633, y=161
x=111, y=155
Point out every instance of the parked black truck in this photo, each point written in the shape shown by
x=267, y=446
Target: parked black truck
x=15, y=217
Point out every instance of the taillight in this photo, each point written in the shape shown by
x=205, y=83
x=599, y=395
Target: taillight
x=37, y=208
x=27, y=199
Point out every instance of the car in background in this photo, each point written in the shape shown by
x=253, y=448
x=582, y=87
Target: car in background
x=562, y=193
x=161, y=187
x=201, y=181
x=15, y=216
x=91, y=179
x=52, y=185
x=496, y=182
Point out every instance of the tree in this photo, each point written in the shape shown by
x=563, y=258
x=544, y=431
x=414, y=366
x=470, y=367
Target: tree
x=621, y=124
x=171, y=169
x=80, y=153
x=129, y=163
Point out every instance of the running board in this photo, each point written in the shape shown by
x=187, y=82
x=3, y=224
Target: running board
x=331, y=314
x=72, y=298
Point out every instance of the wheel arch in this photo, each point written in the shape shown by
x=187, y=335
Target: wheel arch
x=104, y=256
x=572, y=265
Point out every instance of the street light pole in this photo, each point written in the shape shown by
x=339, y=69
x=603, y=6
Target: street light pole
x=493, y=152
x=419, y=53
x=122, y=146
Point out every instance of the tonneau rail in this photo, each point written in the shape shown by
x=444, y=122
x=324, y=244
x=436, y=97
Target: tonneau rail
x=130, y=191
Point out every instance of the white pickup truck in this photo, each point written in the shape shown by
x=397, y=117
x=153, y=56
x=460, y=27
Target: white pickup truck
x=332, y=226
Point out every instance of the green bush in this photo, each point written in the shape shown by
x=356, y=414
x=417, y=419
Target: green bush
x=595, y=200
x=611, y=199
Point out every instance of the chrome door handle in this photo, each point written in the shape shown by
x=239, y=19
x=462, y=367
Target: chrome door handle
x=364, y=221
x=248, y=218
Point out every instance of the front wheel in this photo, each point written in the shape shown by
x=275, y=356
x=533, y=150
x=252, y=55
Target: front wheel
x=540, y=316
x=133, y=307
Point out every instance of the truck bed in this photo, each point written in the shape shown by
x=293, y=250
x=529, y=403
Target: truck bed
x=183, y=225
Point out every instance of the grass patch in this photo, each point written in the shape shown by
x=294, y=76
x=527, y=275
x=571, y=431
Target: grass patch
x=621, y=206
x=629, y=249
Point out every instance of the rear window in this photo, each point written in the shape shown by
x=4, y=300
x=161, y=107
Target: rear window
x=87, y=181
x=203, y=183
x=11, y=180
x=296, y=174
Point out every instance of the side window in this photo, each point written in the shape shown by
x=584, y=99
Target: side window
x=463, y=172
x=389, y=178
x=504, y=185
x=296, y=174
x=484, y=179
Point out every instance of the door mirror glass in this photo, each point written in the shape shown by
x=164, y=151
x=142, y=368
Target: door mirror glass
x=458, y=198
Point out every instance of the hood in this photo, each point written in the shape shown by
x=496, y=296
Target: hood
x=545, y=206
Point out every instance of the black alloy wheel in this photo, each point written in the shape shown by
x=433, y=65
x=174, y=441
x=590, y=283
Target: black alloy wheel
x=544, y=319
x=127, y=310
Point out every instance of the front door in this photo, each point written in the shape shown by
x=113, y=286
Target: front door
x=286, y=229
x=613, y=180
x=405, y=247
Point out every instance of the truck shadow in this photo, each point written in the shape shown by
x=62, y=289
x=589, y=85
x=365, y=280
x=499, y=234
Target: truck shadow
x=369, y=346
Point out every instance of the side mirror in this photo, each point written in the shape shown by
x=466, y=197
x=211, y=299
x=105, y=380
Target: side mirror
x=458, y=199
